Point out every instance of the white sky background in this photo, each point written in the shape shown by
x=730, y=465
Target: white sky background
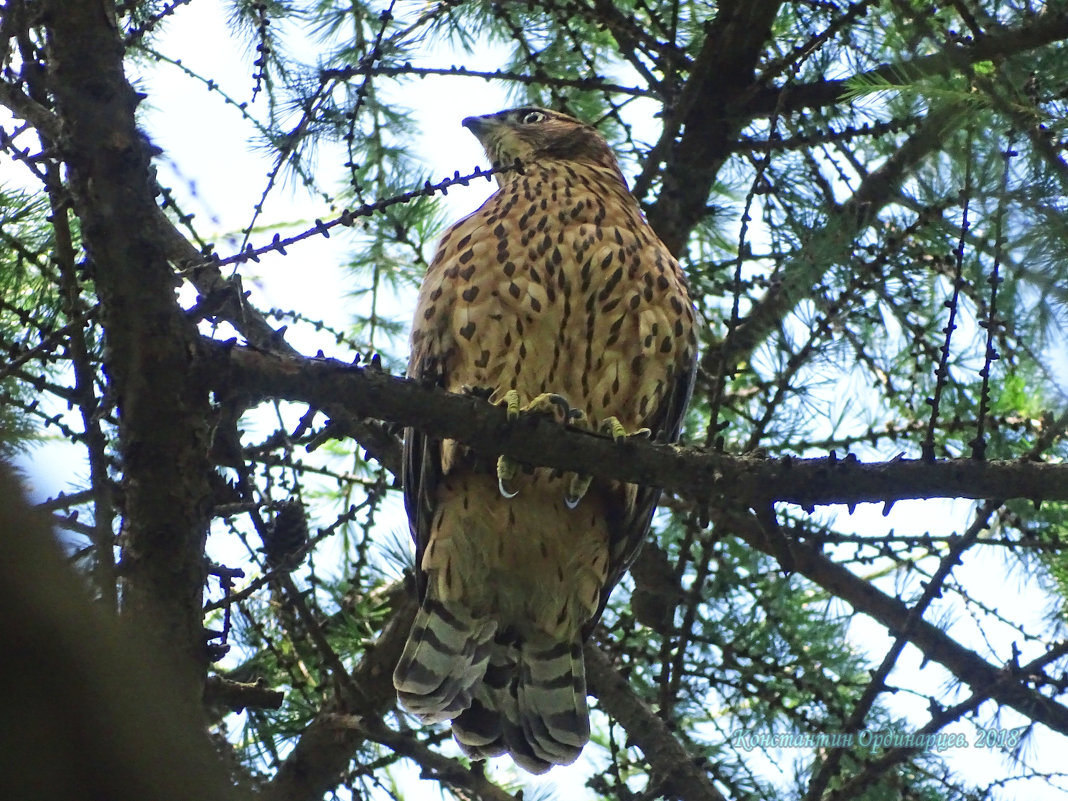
x=222, y=177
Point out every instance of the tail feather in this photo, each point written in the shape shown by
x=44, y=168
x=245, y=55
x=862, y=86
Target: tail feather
x=551, y=696
x=526, y=698
x=445, y=657
x=479, y=730
x=531, y=705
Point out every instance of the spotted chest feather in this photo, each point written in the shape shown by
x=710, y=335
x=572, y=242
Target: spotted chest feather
x=557, y=284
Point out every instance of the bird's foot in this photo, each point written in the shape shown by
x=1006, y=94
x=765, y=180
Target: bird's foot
x=578, y=485
x=546, y=403
x=551, y=404
x=613, y=428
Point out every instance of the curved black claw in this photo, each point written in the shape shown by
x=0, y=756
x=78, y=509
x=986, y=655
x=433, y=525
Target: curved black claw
x=552, y=404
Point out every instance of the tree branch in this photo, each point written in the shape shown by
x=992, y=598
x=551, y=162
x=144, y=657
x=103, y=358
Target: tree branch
x=678, y=775
x=702, y=476
x=237, y=695
x=832, y=242
x=710, y=114
x=935, y=644
x=208, y=279
x=163, y=413
x=999, y=42
x=318, y=762
x=449, y=772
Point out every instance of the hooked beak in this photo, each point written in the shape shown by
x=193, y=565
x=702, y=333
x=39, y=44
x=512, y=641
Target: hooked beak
x=479, y=125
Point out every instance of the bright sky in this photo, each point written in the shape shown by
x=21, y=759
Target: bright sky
x=209, y=163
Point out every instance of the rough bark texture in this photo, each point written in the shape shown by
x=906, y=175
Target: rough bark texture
x=163, y=409
x=710, y=113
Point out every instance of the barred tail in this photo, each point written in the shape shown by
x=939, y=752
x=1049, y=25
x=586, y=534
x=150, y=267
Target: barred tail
x=444, y=659
x=532, y=704
x=479, y=729
x=551, y=697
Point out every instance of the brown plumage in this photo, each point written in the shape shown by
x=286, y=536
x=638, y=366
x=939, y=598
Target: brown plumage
x=555, y=285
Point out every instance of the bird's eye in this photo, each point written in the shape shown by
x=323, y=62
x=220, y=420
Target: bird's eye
x=531, y=117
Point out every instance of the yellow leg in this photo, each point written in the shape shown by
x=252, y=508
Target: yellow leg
x=545, y=403
x=577, y=484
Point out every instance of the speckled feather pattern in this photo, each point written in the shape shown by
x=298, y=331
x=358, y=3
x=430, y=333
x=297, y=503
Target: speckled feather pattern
x=556, y=284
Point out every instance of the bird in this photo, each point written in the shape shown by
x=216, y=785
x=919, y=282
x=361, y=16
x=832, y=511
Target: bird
x=554, y=297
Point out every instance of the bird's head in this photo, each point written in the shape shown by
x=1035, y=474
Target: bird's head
x=532, y=134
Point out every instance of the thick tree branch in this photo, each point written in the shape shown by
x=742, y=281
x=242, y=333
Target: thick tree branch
x=21, y=105
x=231, y=306
x=674, y=769
x=701, y=476
x=710, y=114
x=163, y=411
x=999, y=42
x=999, y=683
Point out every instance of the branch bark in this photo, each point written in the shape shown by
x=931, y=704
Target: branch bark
x=231, y=306
x=678, y=774
x=1000, y=42
x=702, y=476
x=710, y=113
x=163, y=410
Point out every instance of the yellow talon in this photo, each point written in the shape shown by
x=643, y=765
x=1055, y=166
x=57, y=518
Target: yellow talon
x=550, y=403
x=615, y=429
x=511, y=404
x=545, y=403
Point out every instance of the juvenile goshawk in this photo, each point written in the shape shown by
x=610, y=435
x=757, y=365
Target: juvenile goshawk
x=554, y=296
